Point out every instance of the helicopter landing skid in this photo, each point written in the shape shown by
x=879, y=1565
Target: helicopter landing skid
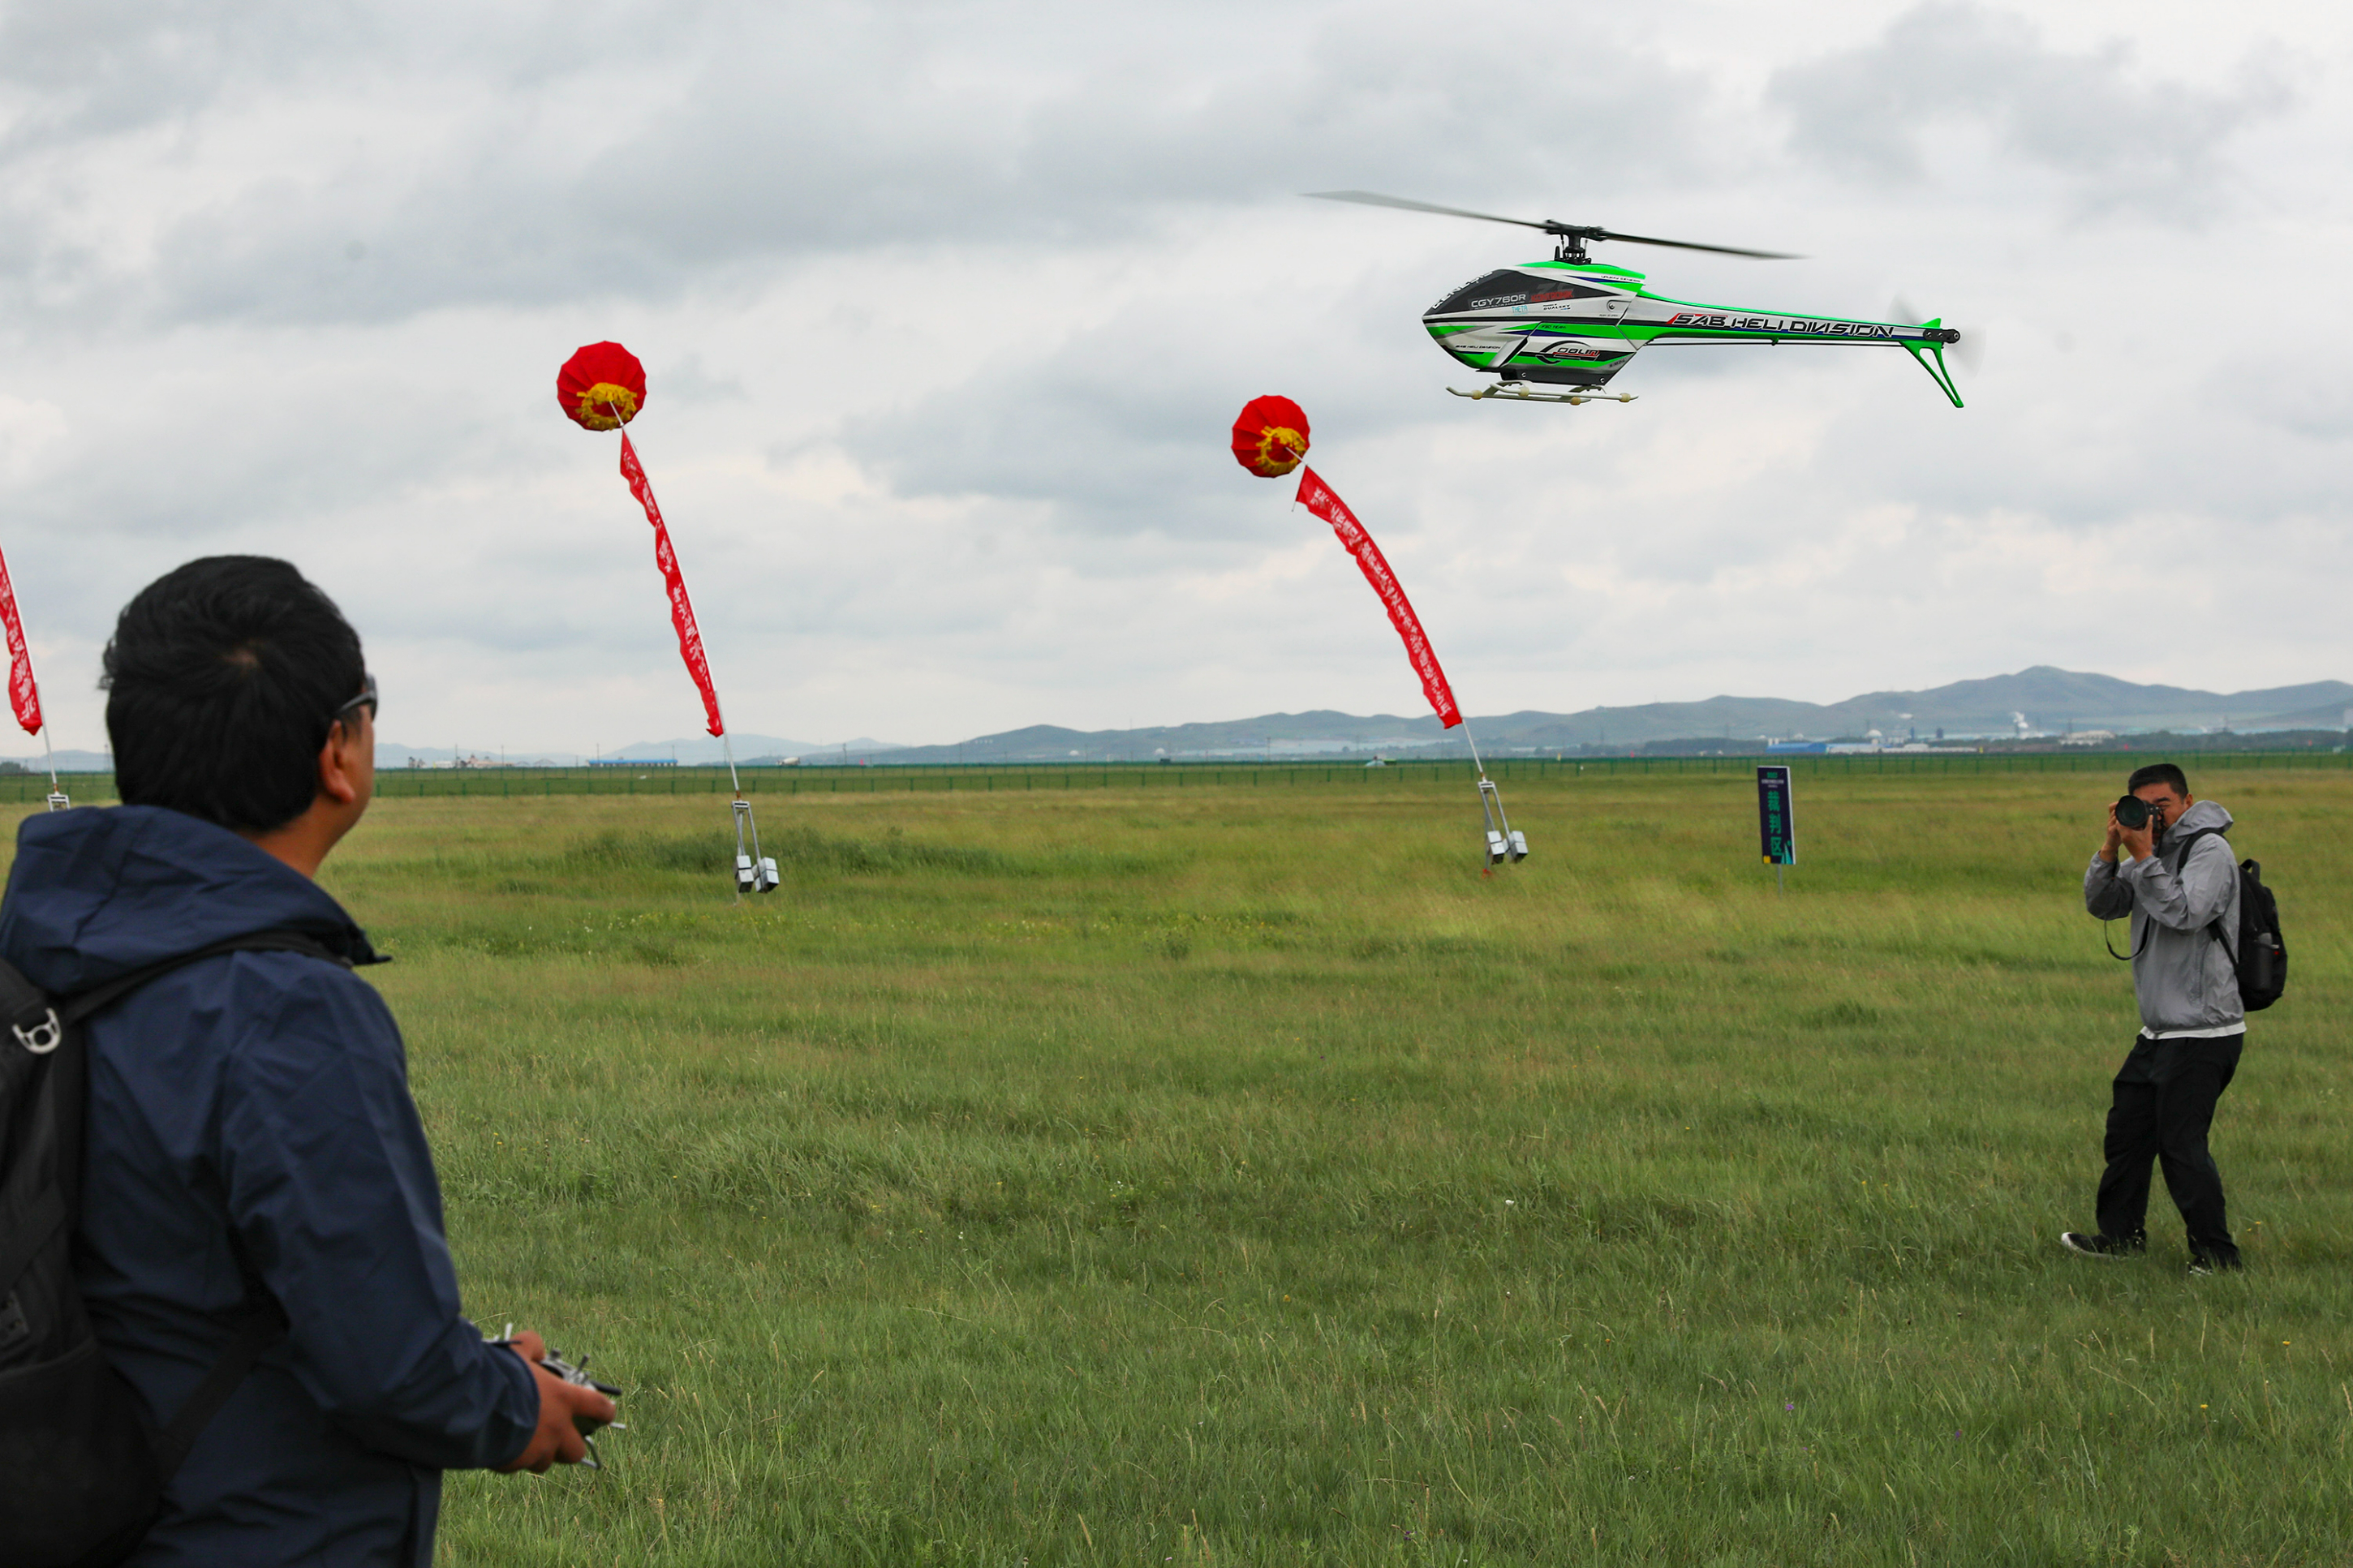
x=1518, y=391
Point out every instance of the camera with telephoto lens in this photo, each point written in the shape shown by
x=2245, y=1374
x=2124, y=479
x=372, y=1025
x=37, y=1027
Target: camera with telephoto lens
x=2133, y=813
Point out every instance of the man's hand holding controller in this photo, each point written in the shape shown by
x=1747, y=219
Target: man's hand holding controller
x=568, y=1412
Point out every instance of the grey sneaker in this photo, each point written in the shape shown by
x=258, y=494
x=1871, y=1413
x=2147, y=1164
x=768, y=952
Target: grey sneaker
x=2103, y=1245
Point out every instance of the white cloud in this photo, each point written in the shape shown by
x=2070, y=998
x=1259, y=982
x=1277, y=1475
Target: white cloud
x=2084, y=115
x=946, y=309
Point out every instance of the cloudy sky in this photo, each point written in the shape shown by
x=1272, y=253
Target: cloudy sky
x=946, y=309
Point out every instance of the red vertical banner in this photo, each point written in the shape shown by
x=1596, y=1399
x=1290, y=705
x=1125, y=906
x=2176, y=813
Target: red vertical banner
x=24, y=695
x=682, y=608
x=1317, y=497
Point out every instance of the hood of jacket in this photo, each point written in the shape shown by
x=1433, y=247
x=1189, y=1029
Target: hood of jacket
x=2204, y=815
x=99, y=892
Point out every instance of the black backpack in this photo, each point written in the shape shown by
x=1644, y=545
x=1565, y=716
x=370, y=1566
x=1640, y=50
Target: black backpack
x=2259, y=954
x=82, y=1463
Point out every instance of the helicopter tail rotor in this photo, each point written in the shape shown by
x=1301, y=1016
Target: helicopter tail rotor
x=1966, y=355
x=1969, y=354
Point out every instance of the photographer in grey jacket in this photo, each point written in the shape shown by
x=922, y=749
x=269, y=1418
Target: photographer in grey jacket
x=2177, y=880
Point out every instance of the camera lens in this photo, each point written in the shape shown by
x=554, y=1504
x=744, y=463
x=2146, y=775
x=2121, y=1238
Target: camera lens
x=2132, y=812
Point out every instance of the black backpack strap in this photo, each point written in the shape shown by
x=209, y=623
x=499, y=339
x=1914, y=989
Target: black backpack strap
x=258, y=1322
x=2214, y=926
x=25, y=1008
x=81, y=1004
x=38, y=1022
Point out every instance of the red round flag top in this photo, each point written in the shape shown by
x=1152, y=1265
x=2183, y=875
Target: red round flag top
x=601, y=387
x=1271, y=437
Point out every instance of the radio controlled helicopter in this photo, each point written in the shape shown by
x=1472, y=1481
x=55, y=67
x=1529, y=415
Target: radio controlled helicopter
x=1557, y=331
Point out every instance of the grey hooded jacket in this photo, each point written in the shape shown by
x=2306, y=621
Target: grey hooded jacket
x=2186, y=981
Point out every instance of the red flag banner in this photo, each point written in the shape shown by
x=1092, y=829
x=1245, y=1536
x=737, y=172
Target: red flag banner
x=682, y=608
x=23, y=695
x=1317, y=497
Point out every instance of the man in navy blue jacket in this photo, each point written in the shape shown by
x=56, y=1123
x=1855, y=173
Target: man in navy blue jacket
x=258, y=1103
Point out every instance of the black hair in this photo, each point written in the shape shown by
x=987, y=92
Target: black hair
x=2158, y=773
x=223, y=679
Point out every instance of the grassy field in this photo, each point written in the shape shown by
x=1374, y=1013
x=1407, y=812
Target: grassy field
x=1235, y=1175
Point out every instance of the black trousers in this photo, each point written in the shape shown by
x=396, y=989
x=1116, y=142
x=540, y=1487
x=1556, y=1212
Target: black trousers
x=2161, y=1108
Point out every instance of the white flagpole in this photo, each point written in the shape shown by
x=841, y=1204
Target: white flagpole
x=742, y=807
x=57, y=801
x=1501, y=843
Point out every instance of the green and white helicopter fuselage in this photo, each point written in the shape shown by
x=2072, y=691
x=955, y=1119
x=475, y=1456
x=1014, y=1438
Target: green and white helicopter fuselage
x=1557, y=332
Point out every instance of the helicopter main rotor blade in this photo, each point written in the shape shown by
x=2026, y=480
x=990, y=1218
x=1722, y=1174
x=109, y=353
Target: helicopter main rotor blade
x=1694, y=245
x=1375, y=199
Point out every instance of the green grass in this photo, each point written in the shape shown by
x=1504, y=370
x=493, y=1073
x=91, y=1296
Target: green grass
x=1237, y=1176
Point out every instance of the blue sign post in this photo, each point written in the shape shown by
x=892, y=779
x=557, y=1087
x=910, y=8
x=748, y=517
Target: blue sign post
x=1776, y=819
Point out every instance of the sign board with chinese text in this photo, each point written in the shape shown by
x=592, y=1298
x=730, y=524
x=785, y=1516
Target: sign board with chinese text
x=1776, y=819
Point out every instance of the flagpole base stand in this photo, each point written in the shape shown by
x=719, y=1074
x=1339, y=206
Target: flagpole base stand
x=1506, y=844
x=754, y=872
x=1520, y=392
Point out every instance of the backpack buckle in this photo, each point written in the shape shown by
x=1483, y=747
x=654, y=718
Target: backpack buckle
x=42, y=1038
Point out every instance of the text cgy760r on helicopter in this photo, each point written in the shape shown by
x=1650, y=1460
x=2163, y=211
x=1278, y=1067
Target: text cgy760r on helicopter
x=1557, y=331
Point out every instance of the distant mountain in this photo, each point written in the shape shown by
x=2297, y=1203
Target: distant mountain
x=2050, y=700
x=67, y=763
x=1276, y=734
x=694, y=750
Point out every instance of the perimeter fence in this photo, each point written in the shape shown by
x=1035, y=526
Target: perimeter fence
x=402, y=784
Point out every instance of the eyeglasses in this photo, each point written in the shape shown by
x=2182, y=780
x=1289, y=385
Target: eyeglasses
x=366, y=699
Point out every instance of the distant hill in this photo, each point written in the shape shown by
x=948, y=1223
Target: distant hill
x=2052, y=700
x=37, y=761
x=694, y=750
